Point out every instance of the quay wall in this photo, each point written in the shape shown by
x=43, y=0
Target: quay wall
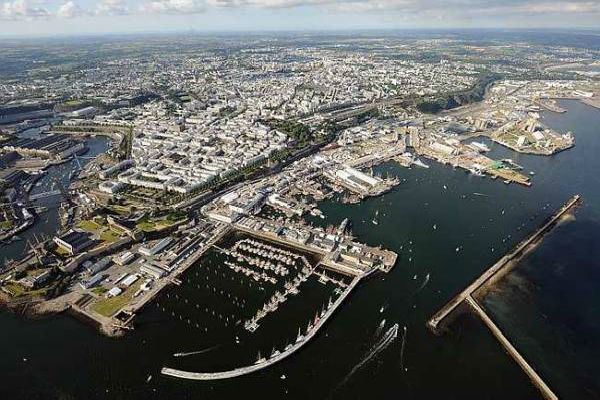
x=512, y=351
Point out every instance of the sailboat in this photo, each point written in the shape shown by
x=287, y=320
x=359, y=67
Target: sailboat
x=260, y=359
x=375, y=222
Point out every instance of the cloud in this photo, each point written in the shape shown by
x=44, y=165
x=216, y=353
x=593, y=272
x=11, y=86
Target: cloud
x=403, y=11
x=112, y=7
x=21, y=10
x=430, y=7
x=174, y=7
x=70, y=10
x=270, y=3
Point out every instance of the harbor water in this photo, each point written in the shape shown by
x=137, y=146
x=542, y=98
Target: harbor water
x=47, y=222
x=448, y=227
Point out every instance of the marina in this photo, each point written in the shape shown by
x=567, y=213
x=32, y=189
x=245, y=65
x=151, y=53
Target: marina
x=276, y=355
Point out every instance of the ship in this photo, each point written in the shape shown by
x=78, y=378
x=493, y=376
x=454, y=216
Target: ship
x=343, y=225
x=420, y=163
x=480, y=146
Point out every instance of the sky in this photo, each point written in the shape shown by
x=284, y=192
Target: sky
x=73, y=17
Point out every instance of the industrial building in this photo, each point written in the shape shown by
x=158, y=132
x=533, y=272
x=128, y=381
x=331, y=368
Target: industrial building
x=156, y=248
x=152, y=270
x=53, y=146
x=74, y=241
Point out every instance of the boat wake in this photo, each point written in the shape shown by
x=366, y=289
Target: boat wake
x=191, y=353
x=402, y=349
x=380, y=328
x=381, y=345
x=425, y=282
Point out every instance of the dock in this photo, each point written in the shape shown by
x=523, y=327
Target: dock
x=467, y=297
x=207, y=376
x=550, y=105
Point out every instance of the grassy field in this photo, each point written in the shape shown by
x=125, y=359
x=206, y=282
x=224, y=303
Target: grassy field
x=61, y=252
x=99, y=290
x=89, y=225
x=15, y=289
x=123, y=210
x=146, y=226
x=159, y=224
x=6, y=225
x=109, y=236
x=108, y=307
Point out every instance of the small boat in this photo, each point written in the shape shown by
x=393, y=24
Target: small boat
x=415, y=278
x=149, y=378
x=420, y=163
x=434, y=227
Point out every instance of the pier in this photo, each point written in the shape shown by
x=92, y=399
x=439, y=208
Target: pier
x=44, y=195
x=510, y=349
x=493, y=274
x=550, y=105
x=206, y=376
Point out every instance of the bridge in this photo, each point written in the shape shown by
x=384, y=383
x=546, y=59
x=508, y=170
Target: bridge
x=44, y=195
x=206, y=376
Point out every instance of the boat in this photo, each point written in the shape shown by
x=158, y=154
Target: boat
x=420, y=163
x=476, y=172
x=480, y=146
x=343, y=225
x=274, y=353
x=259, y=359
x=300, y=337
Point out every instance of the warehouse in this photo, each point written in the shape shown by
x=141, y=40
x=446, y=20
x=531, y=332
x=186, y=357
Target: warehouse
x=152, y=270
